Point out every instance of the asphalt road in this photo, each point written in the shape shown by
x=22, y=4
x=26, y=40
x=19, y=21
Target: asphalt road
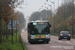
x=54, y=44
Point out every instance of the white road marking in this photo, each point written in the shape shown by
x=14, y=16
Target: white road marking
x=68, y=42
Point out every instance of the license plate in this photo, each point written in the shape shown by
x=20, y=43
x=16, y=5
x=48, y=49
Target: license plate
x=65, y=37
x=40, y=40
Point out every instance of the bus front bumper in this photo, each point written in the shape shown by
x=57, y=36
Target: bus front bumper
x=40, y=40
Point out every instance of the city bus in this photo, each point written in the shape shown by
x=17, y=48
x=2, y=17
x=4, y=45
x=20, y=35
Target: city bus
x=39, y=31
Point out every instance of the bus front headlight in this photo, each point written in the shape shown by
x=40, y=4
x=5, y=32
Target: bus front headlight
x=32, y=37
x=47, y=36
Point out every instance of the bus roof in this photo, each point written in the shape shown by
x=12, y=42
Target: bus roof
x=40, y=21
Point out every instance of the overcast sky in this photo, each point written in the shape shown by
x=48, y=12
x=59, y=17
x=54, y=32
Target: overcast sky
x=34, y=5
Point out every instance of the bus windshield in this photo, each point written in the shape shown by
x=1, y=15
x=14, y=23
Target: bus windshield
x=40, y=28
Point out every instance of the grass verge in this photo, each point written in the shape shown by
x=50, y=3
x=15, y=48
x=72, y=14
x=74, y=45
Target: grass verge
x=7, y=44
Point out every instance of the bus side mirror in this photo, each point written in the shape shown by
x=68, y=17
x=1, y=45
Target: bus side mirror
x=49, y=25
x=29, y=26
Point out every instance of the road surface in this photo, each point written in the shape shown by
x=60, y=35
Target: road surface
x=54, y=44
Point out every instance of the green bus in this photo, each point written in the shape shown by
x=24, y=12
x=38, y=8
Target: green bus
x=39, y=31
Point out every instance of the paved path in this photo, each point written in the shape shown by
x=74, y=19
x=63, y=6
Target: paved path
x=54, y=44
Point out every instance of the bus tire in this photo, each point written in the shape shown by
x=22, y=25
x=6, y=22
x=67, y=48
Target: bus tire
x=30, y=42
x=47, y=41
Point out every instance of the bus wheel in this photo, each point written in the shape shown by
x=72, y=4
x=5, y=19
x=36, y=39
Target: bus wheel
x=30, y=42
x=47, y=41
